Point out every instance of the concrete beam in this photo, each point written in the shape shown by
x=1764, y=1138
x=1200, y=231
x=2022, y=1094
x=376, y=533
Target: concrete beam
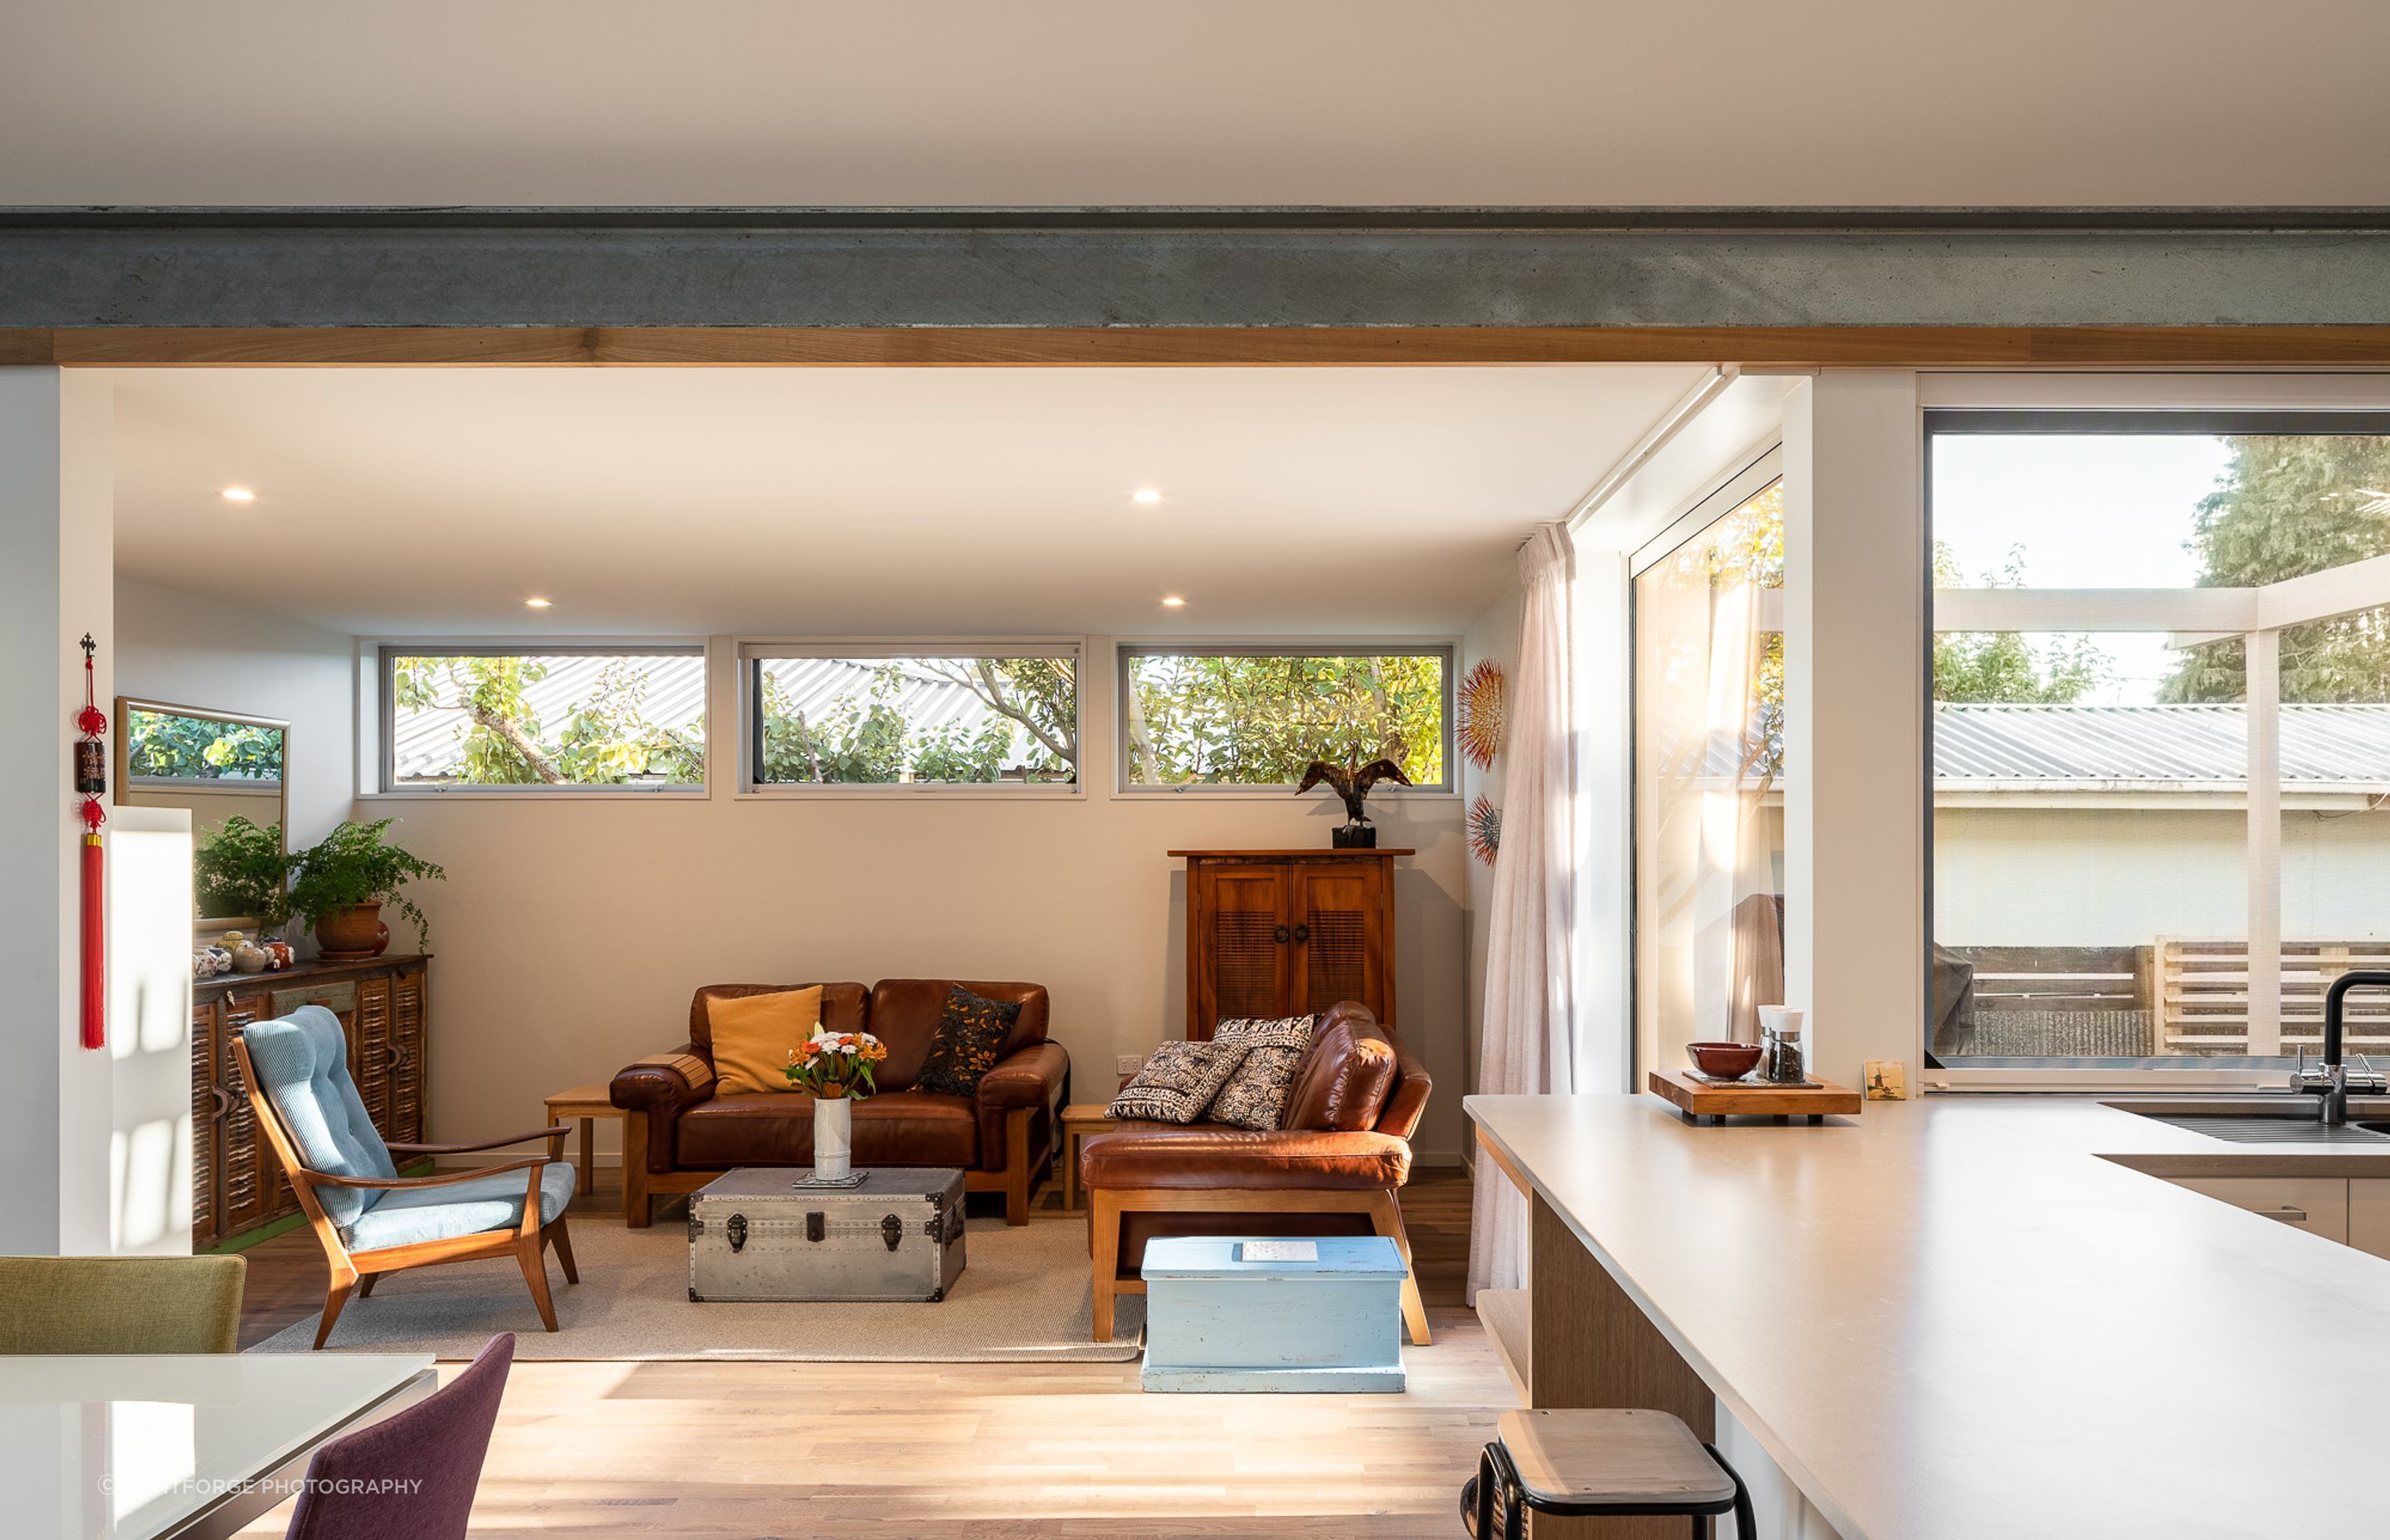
x=1168, y=268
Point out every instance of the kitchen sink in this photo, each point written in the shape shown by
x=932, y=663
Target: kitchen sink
x=2273, y=1128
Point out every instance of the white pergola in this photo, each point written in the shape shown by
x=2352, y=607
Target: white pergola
x=2193, y=616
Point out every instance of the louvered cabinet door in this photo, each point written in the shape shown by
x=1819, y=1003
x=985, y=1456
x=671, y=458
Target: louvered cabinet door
x=208, y=1102
x=1240, y=961
x=1341, y=922
x=246, y=1169
x=369, y=1027
x=406, y=1058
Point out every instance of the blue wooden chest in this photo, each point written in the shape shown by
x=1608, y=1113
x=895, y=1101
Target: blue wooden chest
x=1257, y=1313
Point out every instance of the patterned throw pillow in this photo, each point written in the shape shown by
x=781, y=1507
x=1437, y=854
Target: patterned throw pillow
x=971, y=1031
x=1254, y=1097
x=1178, y=1081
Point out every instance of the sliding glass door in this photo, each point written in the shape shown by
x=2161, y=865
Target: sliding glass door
x=1709, y=756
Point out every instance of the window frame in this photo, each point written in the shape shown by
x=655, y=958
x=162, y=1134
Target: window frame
x=378, y=748
x=1298, y=647
x=749, y=651
x=2090, y=402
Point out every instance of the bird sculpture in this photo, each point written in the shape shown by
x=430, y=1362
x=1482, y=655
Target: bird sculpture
x=1351, y=784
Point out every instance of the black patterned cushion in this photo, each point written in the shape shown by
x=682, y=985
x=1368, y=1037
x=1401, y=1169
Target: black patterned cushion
x=1254, y=1097
x=1177, y=1081
x=971, y=1031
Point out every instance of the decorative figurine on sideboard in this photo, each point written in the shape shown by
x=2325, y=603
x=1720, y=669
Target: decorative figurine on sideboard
x=1352, y=783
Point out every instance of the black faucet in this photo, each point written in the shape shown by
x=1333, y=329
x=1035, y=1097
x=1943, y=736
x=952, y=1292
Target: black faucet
x=2332, y=1082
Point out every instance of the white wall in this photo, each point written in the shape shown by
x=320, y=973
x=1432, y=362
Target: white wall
x=2124, y=877
x=149, y=1030
x=571, y=933
x=1492, y=637
x=190, y=651
x=56, y=556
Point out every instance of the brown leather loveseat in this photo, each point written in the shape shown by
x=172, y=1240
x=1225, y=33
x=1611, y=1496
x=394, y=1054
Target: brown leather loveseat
x=677, y=1134
x=1333, y=1168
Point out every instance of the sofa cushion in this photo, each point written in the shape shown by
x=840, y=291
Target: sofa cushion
x=405, y=1215
x=756, y=1036
x=1177, y=1081
x=971, y=1033
x=1345, y=1075
x=1211, y=1156
x=893, y=1128
x=1254, y=1097
x=844, y=1006
x=906, y=1012
x=302, y=1061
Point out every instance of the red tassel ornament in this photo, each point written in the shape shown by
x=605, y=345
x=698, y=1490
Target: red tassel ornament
x=90, y=780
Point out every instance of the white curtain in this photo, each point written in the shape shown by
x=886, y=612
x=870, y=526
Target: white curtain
x=1530, y=941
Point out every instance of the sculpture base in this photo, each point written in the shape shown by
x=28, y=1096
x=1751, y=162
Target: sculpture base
x=1354, y=837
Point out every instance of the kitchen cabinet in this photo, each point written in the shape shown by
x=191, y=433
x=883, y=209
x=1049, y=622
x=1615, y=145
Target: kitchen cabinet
x=2316, y=1204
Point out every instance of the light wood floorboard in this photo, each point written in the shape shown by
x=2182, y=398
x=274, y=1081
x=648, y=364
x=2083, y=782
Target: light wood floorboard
x=969, y=1451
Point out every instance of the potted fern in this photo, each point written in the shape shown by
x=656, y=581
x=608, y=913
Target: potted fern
x=241, y=874
x=343, y=881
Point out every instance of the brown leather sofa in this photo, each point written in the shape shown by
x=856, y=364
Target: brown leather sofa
x=677, y=1134
x=1334, y=1168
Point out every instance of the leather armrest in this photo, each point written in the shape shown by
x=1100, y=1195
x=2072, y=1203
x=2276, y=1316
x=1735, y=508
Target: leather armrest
x=663, y=1080
x=1031, y=1076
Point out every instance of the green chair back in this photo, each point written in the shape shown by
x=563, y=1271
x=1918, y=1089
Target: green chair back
x=121, y=1305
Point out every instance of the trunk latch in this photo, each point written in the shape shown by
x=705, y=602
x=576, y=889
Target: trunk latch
x=816, y=1226
x=890, y=1229
x=737, y=1230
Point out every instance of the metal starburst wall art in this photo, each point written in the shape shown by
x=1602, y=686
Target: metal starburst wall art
x=1481, y=691
x=1485, y=829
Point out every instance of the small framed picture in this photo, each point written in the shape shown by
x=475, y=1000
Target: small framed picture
x=1887, y=1080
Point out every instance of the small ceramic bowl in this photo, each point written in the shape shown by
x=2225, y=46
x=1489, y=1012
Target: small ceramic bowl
x=1724, y=1060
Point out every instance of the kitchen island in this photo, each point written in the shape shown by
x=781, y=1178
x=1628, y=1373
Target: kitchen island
x=1958, y=1317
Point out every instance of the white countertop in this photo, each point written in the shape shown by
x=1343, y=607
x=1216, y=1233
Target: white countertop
x=1952, y=1318
x=106, y=1447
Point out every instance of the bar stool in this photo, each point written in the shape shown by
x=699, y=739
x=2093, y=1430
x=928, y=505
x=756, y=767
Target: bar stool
x=1601, y=1462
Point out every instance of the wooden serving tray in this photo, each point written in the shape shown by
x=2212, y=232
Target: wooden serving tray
x=1697, y=1099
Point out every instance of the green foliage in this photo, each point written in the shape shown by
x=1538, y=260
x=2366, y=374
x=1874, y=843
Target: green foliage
x=2002, y=667
x=239, y=868
x=867, y=739
x=352, y=864
x=196, y=748
x=1250, y=720
x=607, y=740
x=2286, y=507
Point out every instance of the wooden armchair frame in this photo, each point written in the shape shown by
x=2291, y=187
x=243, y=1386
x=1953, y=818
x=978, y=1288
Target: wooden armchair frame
x=354, y=1272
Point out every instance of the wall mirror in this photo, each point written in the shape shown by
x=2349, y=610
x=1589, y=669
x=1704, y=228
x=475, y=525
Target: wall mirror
x=231, y=772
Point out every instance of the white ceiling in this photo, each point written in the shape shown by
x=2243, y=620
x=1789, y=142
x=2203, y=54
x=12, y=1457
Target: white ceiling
x=862, y=502
x=1072, y=102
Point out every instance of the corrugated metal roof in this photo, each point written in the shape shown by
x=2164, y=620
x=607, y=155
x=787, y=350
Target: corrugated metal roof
x=2195, y=747
x=425, y=744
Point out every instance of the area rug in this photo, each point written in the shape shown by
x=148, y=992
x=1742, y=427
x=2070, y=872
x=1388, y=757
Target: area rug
x=1023, y=1298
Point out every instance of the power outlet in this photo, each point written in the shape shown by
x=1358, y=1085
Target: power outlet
x=1129, y=1064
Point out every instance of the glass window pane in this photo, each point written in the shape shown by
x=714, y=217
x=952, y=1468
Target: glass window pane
x=1709, y=756
x=547, y=718
x=991, y=720
x=2335, y=680
x=1236, y=718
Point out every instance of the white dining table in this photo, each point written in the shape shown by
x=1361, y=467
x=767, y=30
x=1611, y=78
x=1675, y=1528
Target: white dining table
x=144, y=1447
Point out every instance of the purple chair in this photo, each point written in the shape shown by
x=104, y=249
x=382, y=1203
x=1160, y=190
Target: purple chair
x=437, y=1444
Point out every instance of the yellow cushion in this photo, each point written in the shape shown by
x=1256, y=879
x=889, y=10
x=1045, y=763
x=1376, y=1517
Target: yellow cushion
x=754, y=1035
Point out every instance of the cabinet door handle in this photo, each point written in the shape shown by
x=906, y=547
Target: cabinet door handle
x=1302, y=934
x=1279, y=936
x=223, y=1103
x=2287, y=1214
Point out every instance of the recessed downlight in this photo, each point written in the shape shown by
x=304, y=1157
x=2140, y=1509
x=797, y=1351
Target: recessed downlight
x=238, y=494
x=538, y=604
x=1146, y=494
x=1173, y=601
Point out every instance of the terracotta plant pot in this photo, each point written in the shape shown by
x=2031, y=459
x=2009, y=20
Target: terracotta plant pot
x=352, y=934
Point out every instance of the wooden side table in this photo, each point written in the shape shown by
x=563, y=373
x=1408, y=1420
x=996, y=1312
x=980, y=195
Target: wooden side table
x=1079, y=1119
x=587, y=1103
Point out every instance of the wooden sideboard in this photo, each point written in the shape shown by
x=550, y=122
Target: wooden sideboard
x=237, y=1184
x=1278, y=933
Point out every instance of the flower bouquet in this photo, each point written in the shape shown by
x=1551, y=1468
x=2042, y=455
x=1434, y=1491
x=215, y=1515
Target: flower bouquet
x=836, y=1067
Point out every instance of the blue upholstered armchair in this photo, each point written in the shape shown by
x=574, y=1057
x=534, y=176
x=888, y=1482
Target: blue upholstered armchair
x=369, y=1218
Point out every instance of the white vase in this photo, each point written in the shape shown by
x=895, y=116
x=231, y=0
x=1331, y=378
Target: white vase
x=833, y=1138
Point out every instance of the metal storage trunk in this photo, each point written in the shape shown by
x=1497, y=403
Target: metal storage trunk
x=754, y=1235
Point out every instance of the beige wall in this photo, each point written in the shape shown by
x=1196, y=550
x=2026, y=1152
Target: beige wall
x=571, y=933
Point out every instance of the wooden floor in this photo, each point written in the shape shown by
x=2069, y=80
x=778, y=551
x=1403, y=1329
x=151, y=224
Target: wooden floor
x=969, y=1451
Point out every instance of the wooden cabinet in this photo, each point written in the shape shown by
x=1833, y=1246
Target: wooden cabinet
x=237, y=1184
x=1278, y=933
x=2316, y=1204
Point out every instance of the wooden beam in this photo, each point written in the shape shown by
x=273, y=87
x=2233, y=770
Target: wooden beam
x=1761, y=346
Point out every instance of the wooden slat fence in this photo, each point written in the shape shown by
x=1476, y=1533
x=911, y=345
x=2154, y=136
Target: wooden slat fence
x=2203, y=996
